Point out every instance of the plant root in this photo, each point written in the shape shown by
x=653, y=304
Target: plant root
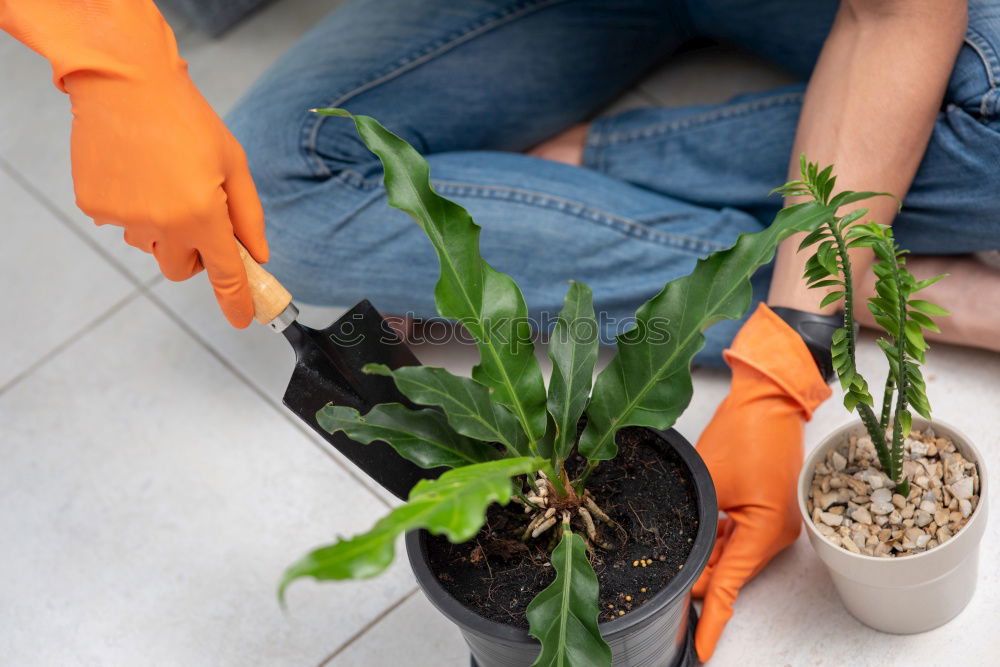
x=588, y=524
x=538, y=501
x=544, y=525
x=536, y=522
x=531, y=526
x=595, y=510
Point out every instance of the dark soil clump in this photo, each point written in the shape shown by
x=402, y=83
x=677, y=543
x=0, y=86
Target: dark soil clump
x=646, y=490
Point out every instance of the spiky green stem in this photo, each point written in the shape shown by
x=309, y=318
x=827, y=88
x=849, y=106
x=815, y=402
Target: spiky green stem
x=897, y=427
x=867, y=415
x=890, y=386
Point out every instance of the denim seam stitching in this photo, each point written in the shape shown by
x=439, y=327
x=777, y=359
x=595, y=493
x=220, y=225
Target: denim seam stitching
x=699, y=119
x=625, y=225
x=991, y=64
x=492, y=20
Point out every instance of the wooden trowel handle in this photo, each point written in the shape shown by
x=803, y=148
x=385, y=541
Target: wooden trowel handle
x=270, y=298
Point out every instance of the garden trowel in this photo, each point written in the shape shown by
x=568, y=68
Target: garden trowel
x=328, y=365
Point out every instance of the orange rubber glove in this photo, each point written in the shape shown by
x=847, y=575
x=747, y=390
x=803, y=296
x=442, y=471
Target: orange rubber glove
x=753, y=448
x=149, y=154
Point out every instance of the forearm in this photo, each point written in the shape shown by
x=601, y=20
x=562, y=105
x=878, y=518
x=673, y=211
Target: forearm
x=870, y=109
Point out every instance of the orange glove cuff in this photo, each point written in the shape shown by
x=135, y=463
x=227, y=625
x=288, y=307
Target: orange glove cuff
x=769, y=346
x=118, y=38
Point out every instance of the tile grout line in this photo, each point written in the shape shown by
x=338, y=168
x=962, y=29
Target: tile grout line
x=76, y=335
x=61, y=216
x=144, y=289
x=363, y=631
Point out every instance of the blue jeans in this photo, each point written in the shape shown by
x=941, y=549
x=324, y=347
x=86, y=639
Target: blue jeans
x=471, y=83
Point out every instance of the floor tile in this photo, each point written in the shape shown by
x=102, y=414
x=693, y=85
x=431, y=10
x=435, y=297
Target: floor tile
x=54, y=283
x=710, y=76
x=414, y=634
x=149, y=502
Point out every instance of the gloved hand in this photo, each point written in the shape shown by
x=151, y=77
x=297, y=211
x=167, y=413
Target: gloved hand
x=149, y=154
x=753, y=449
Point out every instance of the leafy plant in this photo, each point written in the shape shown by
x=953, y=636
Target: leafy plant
x=902, y=318
x=501, y=431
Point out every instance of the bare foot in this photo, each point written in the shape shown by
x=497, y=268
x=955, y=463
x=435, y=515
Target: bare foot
x=566, y=147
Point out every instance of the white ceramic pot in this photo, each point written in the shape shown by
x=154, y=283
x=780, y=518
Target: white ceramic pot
x=912, y=593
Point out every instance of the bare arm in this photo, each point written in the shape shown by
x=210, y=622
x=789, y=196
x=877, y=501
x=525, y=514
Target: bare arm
x=870, y=109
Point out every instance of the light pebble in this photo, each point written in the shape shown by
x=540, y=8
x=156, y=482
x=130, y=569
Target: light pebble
x=962, y=489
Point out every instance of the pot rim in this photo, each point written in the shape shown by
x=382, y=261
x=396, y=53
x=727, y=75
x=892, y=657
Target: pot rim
x=679, y=586
x=803, y=485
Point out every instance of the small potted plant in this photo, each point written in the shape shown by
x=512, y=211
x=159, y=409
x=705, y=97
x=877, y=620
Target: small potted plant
x=895, y=505
x=571, y=524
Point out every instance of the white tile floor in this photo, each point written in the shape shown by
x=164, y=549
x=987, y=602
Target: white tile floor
x=152, y=488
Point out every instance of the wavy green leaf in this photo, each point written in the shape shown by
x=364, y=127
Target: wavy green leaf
x=573, y=351
x=421, y=436
x=487, y=303
x=466, y=404
x=563, y=617
x=648, y=383
x=453, y=505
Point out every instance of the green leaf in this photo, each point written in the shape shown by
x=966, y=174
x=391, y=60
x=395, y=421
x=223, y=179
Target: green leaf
x=848, y=197
x=915, y=336
x=487, y=303
x=828, y=283
x=879, y=306
x=927, y=307
x=563, y=617
x=905, y=422
x=832, y=297
x=648, y=382
x=573, y=351
x=887, y=290
x=853, y=216
x=924, y=321
x=886, y=322
x=814, y=237
x=846, y=374
x=828, y=257
x=421, y=436
x=924, y=284
x=465, y=402
x=453, y=505
x=815, y=274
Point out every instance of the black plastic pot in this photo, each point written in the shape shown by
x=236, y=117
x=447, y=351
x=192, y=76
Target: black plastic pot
x=660, y=633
